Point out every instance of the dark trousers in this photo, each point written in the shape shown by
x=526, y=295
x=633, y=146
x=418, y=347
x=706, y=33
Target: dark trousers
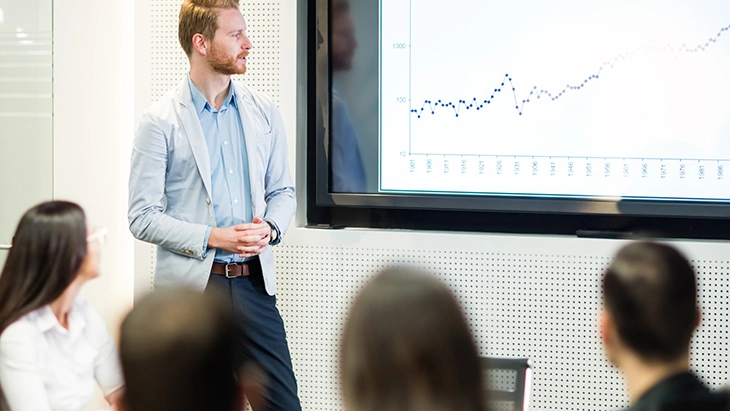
x=265, y=337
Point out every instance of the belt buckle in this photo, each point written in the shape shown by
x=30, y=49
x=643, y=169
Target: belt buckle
x=226, y=273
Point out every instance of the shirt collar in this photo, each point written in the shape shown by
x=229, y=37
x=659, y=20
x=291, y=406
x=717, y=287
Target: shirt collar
x=200, y=103
x=231, y=97
x=46, y=320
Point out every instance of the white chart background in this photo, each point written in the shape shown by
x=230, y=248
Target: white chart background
x=652, y=123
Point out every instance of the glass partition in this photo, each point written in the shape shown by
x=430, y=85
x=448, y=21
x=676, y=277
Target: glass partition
x=26, y=110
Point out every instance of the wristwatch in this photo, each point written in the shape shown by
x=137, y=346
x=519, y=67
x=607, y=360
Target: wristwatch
x=275, y=237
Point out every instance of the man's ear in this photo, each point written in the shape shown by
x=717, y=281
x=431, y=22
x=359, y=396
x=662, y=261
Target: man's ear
x=200, y=44
x=612, y=344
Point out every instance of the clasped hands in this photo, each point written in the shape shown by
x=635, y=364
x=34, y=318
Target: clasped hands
x=246, y=240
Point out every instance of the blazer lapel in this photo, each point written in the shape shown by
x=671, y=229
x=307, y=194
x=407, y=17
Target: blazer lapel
x=194, y=133
x=249, y=136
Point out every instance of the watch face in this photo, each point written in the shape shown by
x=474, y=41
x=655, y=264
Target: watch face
x=274, y=236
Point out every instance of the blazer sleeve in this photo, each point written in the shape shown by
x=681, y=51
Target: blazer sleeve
x=147, y=181
x=279, y=194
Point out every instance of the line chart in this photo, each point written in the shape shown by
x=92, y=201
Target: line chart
x=432, y=106
x=628, y=98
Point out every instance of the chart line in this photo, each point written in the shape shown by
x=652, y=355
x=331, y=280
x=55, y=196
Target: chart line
x=432, y=106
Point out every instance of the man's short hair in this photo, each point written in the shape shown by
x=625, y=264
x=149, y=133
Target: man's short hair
x=176, y=350
x=340, y=6
x=200, y=16
x=650, y=292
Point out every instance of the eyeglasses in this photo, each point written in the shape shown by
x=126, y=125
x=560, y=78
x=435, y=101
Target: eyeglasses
x=98, y=235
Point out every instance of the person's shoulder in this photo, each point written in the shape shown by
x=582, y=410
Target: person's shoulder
x=165, y=105
x=260, y=99
x=701, y=401
x=81, y=306
x=94, y=327
x=24, y=329
x=84, y=309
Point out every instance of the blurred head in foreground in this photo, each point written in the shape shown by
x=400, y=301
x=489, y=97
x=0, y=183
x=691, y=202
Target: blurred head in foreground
x=176, y=348
x=406, y=346
x=649, y=315
x=650, y=304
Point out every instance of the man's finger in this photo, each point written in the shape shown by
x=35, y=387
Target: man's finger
x=253, y=239
x=261, y=227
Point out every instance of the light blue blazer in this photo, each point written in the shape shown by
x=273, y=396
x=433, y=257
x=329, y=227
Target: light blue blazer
x=170, y=183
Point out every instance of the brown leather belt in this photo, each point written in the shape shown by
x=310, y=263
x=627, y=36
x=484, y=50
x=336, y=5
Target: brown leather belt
x=231, y=270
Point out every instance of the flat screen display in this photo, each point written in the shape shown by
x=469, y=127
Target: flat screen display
x=565, y=107
x=624, y=99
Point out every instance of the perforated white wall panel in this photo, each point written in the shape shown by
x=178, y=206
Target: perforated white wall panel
x=170, y=65
x=535, y=297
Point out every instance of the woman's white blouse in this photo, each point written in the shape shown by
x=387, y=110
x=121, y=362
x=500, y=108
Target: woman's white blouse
x=43, y=366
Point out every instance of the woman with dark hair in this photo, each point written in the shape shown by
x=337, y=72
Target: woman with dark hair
x=407, y=347
x=52, y=344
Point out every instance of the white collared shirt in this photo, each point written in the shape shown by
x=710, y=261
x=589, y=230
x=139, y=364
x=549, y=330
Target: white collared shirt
x=43, y=366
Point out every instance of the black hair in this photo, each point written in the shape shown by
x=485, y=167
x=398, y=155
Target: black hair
x=650, y=291
x=47, y=251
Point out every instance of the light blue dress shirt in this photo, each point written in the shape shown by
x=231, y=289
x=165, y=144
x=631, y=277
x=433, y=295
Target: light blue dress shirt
x=231, y=189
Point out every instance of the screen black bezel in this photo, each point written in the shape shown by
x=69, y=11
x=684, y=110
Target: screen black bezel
x=503, y=214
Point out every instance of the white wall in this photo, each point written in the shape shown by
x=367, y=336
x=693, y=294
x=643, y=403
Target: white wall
x=84, y=155
x=93, y=130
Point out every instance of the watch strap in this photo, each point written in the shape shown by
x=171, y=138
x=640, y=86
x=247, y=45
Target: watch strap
x=275, y=233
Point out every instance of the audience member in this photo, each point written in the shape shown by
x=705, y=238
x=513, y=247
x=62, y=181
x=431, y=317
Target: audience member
x=176, y=348
x=649, y=315
x=53, y=345
x=407, y=347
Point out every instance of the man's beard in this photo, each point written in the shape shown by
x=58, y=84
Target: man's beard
x=224, y=63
